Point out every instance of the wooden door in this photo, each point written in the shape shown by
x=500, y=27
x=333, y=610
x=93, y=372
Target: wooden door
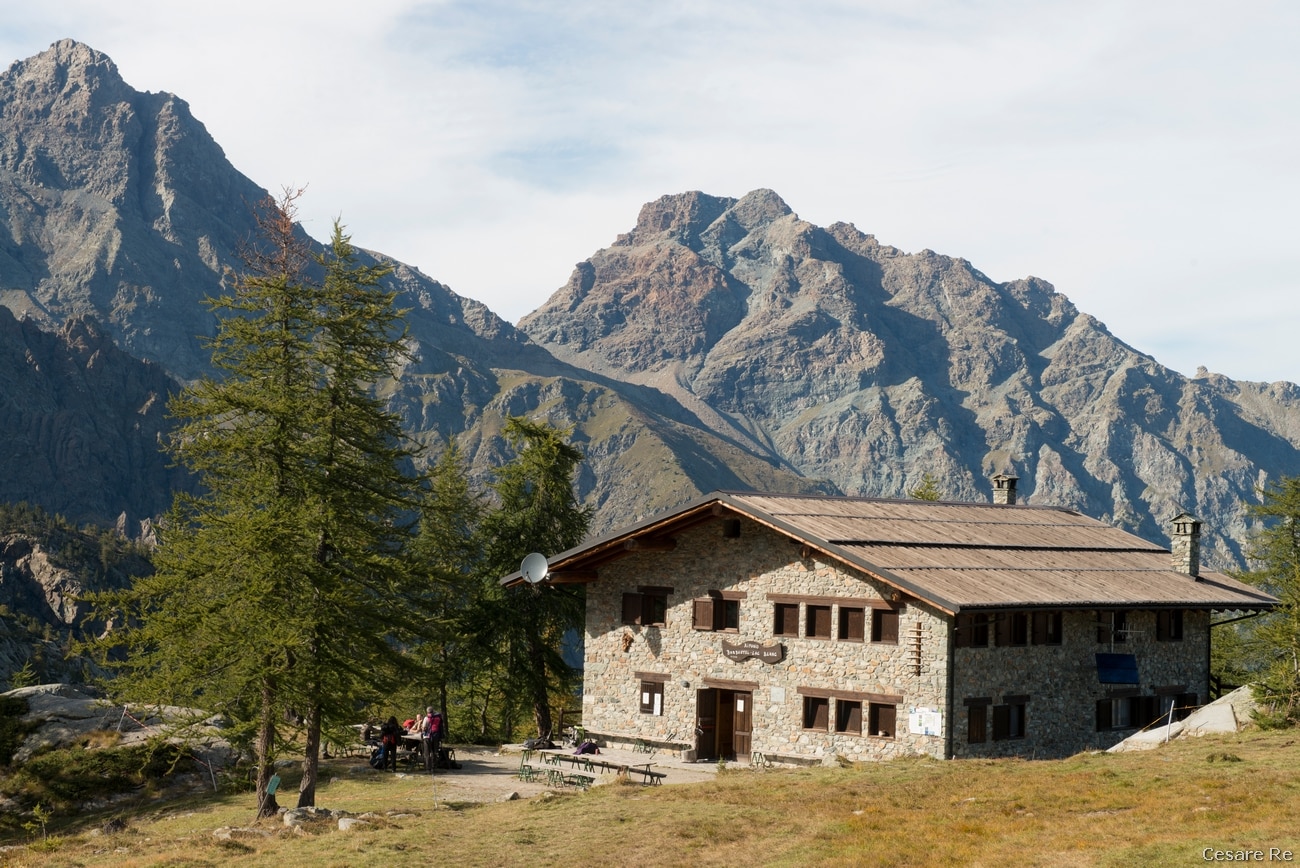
x=706, y=724
x=742, y=725
x=726, y=724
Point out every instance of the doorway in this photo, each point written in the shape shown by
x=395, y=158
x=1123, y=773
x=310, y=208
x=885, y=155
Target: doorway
x=723, y=724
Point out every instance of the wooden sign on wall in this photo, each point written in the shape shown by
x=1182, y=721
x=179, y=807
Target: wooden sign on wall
x=743, y=651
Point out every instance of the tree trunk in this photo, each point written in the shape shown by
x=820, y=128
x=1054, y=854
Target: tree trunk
x=266, y=803
x=537, y=679
x=311, y=760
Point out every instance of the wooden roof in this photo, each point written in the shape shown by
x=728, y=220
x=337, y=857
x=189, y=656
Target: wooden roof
x=956, y=556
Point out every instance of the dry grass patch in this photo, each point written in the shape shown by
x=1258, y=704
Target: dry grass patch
x=1156, y=808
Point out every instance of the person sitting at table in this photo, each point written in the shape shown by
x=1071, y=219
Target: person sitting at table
x=389, y=734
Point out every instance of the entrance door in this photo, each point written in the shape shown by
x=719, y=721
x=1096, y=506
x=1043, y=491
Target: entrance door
x=706, y=724
x=723, y=724
x=742, y=726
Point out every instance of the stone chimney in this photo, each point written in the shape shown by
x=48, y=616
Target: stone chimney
x=1185, y=546
x=1004, y=489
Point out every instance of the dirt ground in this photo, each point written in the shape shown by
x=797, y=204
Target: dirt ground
x=488, y=775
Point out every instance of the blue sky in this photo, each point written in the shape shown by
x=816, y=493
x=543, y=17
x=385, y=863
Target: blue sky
x=1143, y=157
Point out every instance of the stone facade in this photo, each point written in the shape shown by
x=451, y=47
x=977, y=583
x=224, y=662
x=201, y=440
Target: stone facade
x=757, y=563
x=757, y=568
x=1061, y=687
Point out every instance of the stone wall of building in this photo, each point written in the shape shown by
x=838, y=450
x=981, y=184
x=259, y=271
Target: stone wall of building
x=1062, y=685
x=758, y=562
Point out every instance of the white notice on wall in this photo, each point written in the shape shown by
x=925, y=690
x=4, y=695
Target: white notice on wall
x=924, y=721
x=645, y=698
x=778, y=694
x=659, y=699
x=740, y=704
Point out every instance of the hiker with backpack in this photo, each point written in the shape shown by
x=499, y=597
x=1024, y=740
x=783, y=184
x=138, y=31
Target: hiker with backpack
x=432, y=732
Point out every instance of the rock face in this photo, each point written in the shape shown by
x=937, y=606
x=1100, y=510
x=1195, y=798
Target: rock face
x=853, y=361
x=82, y=423
x=119, y=205
x=722, y=343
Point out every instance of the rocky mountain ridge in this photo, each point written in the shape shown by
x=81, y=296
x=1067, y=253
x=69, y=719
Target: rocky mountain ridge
x=721, y=343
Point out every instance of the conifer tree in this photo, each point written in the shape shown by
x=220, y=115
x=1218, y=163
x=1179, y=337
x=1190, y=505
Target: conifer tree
x=279, y=590
x=1274, y=550
x=538, y=511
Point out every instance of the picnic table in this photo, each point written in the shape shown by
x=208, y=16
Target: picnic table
x=588, y=764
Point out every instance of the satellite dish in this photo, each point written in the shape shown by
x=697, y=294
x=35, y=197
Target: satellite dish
x=534, y=568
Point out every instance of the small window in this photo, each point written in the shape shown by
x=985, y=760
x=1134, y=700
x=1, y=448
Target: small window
x=1169, y=626
x=1112, y=627
x=973, y=631
x=880, y=719
x=819, y=622
x=652, y=697
x=1128, y=712
x=884, y=627
x=1047, y=628
x=785, y=619
x=648, y=608
x=848, y=716
x=853, y=624
x=1009, y=721
x=717, y=613
x=977, y=724
x=1019, y=628
x=816, y=713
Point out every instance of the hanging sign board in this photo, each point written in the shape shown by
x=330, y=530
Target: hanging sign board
x=744, y=650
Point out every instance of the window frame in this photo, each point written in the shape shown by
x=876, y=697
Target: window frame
x=639, y=606
x=1010, y=721
x=1047, y=628
x=783, y=610
x=1116, y=630
x=717, y=612
x=977, y=722
x=844, y=627
x=883, y=621
x=651, y=690
x=848, y=716
x=1169, y=625
x=813, y=708
x=880, y=715
x=812, y=630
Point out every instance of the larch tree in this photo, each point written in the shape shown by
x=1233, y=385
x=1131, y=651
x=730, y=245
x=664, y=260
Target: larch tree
x=278, y=589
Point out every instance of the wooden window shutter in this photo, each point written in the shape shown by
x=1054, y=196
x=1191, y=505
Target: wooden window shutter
x=1001, y=722
x=963, y=632
x=852, y=624
x=1103, y=715
x=977, y=727
x=1002, y=629
x=884, y=626
x=786, y=618
x=886, y=718
x=1039, y=636
x=631, y=608
x=704, y=614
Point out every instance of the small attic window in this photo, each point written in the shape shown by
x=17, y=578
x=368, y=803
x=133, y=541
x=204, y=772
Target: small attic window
x=731, y=528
